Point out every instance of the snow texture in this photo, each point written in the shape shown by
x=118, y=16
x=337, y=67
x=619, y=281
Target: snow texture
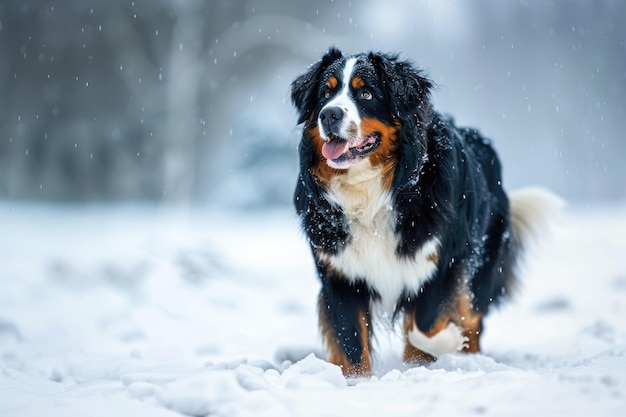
x=132, y=311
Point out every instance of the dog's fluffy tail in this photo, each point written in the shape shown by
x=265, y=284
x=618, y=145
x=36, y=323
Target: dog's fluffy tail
x=534, y=212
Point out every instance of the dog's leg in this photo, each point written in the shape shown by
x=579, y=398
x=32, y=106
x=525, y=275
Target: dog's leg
x=457, y=330
x=471, y=321
x=413, y=355
x=423, y=347
x=345, y=325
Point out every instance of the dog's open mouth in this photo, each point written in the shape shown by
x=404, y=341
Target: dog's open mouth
x=340, y=151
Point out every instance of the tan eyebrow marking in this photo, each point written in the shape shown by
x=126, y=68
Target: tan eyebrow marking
x=357, y=82
x=332, y=82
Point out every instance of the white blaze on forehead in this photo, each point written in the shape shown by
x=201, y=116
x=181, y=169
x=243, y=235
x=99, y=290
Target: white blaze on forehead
x=346, y=103
x=346, y=77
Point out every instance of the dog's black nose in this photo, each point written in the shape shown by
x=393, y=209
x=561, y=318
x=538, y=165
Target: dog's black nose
x=331, y=119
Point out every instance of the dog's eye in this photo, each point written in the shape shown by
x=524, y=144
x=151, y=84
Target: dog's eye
x=366, y=95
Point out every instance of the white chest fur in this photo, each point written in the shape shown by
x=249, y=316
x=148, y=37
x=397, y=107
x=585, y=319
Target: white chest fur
x=370, y=254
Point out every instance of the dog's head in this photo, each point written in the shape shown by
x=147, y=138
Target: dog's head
x=361, y=107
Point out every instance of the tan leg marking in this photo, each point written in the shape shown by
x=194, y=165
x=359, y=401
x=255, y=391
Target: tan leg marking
x=460, y=313
x=413, y=355
x=470, y=320
x=336, y=354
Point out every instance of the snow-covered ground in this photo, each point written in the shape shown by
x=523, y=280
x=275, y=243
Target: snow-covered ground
x=135, y=311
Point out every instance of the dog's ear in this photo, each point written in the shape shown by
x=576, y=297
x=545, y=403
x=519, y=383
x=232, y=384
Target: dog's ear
x=408, y=89
x=408, y=96
x=303, y=91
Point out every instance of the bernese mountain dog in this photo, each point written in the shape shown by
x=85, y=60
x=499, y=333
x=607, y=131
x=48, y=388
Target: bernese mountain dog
x=405, y=212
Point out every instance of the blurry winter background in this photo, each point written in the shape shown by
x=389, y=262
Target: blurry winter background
x=151, y=263
x=171, y=100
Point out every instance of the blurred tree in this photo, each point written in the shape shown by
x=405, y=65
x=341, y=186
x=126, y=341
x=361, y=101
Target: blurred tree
x=80, y=102
x=127, y=99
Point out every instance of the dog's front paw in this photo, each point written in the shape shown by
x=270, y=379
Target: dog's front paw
x=448, y=340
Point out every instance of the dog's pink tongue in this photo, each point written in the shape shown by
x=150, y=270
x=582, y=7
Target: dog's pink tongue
x=334, y=149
